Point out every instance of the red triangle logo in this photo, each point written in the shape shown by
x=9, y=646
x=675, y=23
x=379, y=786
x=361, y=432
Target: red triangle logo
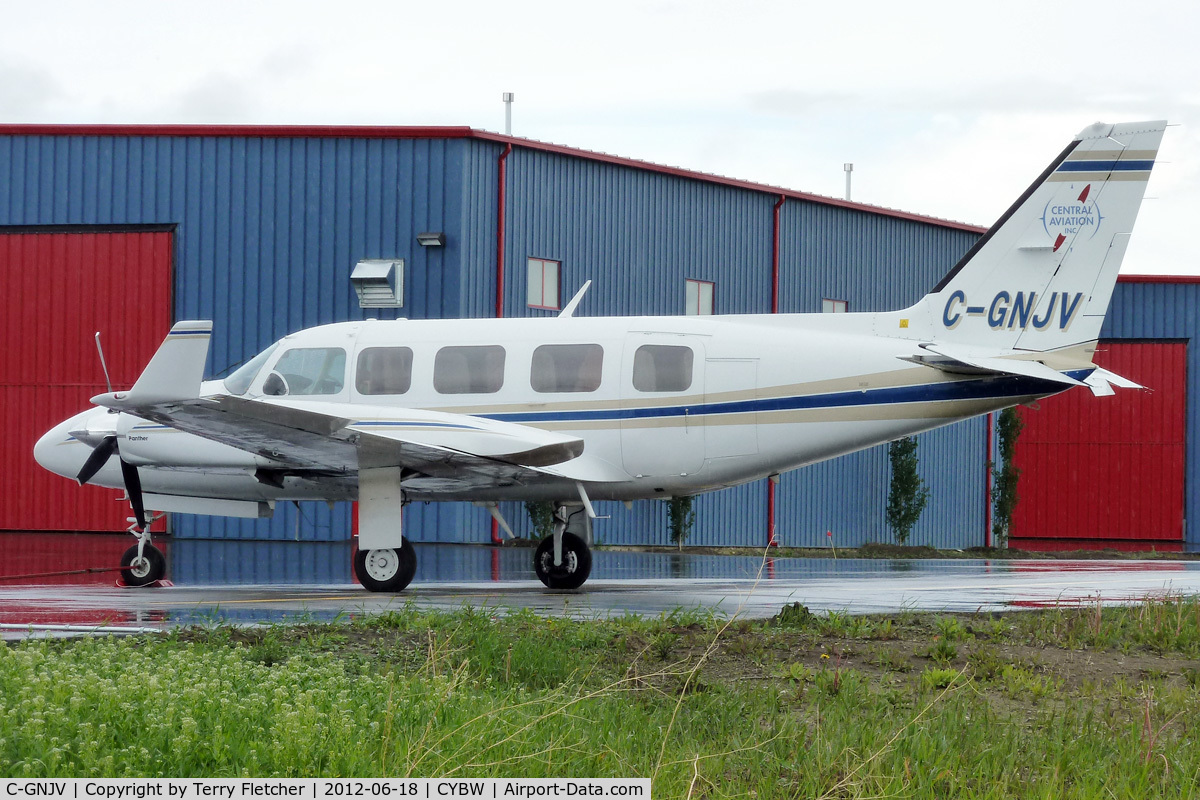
x=1083, y=195
x=1058, y=242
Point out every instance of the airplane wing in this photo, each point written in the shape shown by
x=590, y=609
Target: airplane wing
x=339, y=438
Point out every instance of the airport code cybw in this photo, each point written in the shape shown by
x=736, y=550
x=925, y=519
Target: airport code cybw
x=320, y=788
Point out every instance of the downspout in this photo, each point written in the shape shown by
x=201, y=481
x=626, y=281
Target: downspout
x=771, y=482
x=987, y=485
x=500, y=209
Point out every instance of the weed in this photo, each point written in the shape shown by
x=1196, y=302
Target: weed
x=935, y=678
x=942, y=651
x=1020, y=682
x=663, y=643
x=889, y=659
x=986, y=663
x=950, y=629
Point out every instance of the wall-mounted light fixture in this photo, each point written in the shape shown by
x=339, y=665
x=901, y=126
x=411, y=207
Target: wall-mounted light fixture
x=379, y=283
x=431, y=239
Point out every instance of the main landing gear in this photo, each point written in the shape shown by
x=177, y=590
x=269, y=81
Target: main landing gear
x=564, y=559
x=386, y=570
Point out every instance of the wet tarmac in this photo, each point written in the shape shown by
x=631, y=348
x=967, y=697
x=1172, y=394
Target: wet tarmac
x=239, y=582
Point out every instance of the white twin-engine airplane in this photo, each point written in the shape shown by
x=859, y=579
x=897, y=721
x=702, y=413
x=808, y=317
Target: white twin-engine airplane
x=573, y=410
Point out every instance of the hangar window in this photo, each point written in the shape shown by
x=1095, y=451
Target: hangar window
x=834, y=306
x=699, y=298
x=662, y=368
x=543, y=283
x=308, y=370
x=475, y=369
x=566, y=368
x=384, y=370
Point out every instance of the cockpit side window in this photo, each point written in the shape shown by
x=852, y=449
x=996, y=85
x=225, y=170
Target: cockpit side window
x=308, y=371
x=239, y=381
x=384, y=370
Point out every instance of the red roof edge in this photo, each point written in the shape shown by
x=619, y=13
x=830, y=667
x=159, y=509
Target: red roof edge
x=1158, y=279
x=458, y=132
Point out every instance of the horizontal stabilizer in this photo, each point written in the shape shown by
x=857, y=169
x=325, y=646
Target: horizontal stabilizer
x=174, y=373
x=1101, y=382
x=961, y=359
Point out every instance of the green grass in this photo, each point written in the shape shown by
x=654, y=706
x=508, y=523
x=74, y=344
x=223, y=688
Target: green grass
x=906, y=705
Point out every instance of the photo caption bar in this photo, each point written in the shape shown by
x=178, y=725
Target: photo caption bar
x=322, y=788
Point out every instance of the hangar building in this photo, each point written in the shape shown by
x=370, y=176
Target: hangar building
x=124, y=229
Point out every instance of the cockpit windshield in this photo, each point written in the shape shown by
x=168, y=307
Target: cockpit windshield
x=239, y=382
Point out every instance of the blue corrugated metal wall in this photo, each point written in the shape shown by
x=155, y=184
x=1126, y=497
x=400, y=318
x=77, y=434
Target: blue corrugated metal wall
x=1167, y=311
x=268, y=229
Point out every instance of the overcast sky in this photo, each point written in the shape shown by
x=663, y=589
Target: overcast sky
x=945, y=108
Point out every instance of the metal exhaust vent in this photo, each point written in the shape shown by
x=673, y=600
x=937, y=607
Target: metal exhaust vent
x=379, y=283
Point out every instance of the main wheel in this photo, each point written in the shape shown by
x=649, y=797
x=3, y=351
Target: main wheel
x=386, y=570
x=575, y=567
x=151, y=567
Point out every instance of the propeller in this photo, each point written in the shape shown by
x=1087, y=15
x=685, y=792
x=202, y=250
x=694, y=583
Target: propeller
x=103, y=451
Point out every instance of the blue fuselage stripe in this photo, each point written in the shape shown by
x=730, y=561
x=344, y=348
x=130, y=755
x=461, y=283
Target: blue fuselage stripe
x=981, y=389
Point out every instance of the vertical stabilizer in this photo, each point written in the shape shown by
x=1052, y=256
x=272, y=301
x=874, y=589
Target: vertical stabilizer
x=1041, y=278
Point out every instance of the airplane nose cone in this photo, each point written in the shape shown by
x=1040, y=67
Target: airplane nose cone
x=51, y=450
x=60, y=452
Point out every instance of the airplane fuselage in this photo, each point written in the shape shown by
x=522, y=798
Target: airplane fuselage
x=666, y=405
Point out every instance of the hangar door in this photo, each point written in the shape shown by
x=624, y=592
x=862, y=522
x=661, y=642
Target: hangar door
x=60, y=288
x=1107, y=471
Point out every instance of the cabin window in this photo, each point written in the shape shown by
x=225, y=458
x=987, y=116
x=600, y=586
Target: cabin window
x=543, y=283
x=384, y=370
x=469, y=370
x=698, y=298
x=241, y=378
x=566, y=368
x=830, y=306
x=308, y=370
x=662, y=368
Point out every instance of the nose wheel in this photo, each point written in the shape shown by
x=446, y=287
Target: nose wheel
x=142, y=565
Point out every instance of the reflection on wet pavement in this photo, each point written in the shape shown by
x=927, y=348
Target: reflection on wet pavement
x=248, y=582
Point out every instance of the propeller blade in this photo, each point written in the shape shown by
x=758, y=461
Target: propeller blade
x=99, y=457
x=133, y=488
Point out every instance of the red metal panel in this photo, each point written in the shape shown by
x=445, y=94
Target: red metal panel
x=62, y=288
x=1101, y=471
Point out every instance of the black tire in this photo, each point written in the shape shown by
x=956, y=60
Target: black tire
x=151, y=568
x=576, y=566
x=387, y=570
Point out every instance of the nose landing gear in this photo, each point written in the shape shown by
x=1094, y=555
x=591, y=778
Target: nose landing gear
x=143, y=564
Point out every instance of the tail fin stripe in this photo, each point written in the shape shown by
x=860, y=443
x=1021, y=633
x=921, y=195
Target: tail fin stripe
x=1116, y=166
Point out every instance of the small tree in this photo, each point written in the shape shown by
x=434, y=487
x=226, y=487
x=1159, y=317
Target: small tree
x=680, y=518
x=1004, y=477
x=541, y=516
x=908, y=493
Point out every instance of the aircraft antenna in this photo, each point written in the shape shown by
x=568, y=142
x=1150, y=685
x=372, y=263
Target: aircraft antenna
x=103, y=366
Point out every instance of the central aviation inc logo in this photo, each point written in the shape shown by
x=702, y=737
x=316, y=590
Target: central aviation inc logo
x=1072, y=220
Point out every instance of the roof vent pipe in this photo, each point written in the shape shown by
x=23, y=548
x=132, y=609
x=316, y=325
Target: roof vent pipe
x=849, y=169
x=508, y=101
